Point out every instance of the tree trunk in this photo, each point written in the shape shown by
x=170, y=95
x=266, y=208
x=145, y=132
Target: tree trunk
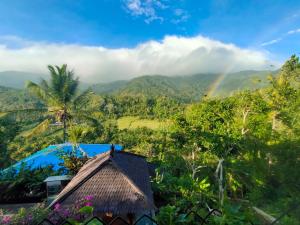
x=65, y=123
x=245, y=114
x=274, y=121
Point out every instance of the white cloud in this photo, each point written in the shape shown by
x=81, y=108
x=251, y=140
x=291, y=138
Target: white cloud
x=150, y=10
x=274, y=41
x=146, y=8
x=293, y=31
x=171, y=56
x=181, y=15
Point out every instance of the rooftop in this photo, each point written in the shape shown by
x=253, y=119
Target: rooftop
x=50, y=155
x=119, y=182
x=57, y=178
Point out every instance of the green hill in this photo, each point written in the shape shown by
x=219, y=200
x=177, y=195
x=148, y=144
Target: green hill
x=107, y=88
x=183, y=88
x=243, y=80
x=12, y=99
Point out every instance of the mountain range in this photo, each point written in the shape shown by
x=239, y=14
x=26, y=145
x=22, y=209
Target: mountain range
x=183, y=88
x=187, y=88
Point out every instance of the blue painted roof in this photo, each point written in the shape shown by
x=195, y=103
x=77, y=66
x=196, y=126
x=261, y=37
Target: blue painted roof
x=50, y=155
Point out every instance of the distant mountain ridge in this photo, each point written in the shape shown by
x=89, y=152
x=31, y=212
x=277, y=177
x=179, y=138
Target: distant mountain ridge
x=187, y=88
x=183, y=88
x=17, y=79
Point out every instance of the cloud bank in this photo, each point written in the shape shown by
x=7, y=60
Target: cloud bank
x=171, y=56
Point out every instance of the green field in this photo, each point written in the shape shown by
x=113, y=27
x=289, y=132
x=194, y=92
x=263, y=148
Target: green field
x=132, y=122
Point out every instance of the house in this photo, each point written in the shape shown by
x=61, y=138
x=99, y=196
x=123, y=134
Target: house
x=119, y=182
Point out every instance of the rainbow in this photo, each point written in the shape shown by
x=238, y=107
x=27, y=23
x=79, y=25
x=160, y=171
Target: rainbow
x=217, y=83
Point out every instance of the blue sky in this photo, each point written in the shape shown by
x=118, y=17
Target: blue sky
x=271, y=27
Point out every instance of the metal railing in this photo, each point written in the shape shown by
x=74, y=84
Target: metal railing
x=143, y=220
x=147, y=220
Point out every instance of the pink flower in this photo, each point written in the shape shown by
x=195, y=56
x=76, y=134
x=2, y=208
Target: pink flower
x=89, y=197
x=57, y=207
x=88, y=204
x=6, y=219
x=66, y=213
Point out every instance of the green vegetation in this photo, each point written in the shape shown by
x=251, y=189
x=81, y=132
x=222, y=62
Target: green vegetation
x=230, y=153
x=59, y=94
x=187, y=88
x=14, y=99
x=244, y=80
x=181, y=88
x=132, y=122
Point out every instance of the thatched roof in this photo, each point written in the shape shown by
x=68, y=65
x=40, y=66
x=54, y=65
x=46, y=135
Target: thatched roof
x=118, y=181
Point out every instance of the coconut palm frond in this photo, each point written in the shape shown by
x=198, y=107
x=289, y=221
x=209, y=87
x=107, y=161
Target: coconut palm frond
x=77, y=133
x=62, y=83
x=58, y=93
x=44, y=84
x=74, y=86
x=38, y=91
x=42, y=127
x=81, y=99
x=86, y=116
x=42, y=110
x=71, y=86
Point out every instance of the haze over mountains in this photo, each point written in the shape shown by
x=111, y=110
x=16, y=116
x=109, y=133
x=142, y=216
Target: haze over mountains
x=17, y=79
x=183, y=88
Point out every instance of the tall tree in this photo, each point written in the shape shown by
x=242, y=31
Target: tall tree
x=284, y=89
x=59, y=93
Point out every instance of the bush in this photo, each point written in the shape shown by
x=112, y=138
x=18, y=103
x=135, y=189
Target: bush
x=29, y=216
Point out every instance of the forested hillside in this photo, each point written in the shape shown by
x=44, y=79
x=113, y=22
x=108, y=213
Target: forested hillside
x=181, y=88
x=230, y=153
x=243, y=80
x=186, y=88
x=16, y=99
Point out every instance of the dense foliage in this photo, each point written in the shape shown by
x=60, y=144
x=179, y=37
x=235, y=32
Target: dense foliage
x=228, y=153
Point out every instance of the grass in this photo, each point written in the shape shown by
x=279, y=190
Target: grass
x=133, y=122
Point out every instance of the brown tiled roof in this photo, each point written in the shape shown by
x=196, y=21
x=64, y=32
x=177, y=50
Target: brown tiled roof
x=119, y=183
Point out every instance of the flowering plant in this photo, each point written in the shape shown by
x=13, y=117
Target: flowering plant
x=25, y=216
x=6, y=220
x=78, y=213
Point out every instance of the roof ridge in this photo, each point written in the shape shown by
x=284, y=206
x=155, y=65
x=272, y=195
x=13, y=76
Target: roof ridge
x=130, y=153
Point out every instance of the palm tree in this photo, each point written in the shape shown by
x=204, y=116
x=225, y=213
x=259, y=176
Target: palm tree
x=59, y=93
